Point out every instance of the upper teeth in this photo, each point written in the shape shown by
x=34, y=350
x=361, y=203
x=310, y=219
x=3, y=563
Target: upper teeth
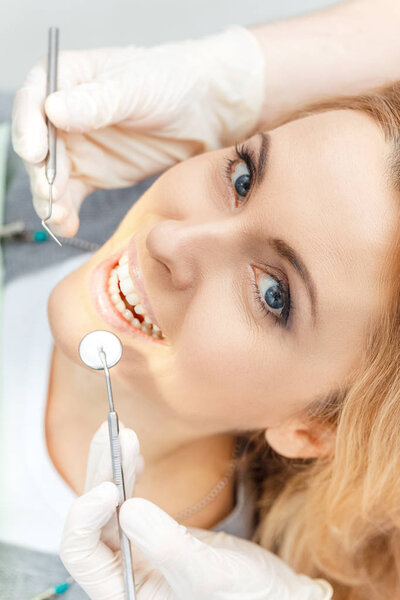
x=120, y=280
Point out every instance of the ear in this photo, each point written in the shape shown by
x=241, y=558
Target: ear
x=297, y=439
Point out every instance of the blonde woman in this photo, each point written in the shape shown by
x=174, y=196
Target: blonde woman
x=312, y=400
x=302, y=344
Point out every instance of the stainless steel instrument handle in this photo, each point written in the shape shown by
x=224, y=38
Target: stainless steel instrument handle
x=116, y=460
x=52, y=87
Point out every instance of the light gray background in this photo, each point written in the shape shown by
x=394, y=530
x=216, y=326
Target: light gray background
x=97, y=23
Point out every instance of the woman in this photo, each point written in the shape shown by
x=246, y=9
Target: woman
x=297, y=48
x=321, y=385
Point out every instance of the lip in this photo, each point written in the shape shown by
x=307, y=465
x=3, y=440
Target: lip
x=137, y=278
x=104, y=305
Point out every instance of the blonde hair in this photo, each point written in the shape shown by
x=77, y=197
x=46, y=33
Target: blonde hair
x=338, y=517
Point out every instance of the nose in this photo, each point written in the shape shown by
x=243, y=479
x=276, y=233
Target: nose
x=187, y=250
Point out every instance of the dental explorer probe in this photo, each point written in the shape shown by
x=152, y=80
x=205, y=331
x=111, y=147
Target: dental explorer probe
x=102, y=350
x=52, y=60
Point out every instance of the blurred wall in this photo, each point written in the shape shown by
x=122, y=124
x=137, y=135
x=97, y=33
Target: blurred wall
x=96, y=23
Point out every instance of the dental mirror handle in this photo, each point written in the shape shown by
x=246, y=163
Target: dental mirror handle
x=102, y=350
x=113, y=430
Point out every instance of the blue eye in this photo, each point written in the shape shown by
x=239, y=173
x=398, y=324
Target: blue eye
x=273, y=296
x=240, y=172
x=241, y=178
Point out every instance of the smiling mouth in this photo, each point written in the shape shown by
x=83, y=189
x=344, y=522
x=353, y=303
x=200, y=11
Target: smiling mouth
x=126, y=299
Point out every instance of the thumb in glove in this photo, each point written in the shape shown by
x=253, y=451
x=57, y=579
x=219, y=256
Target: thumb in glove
x=99, y=469
x=224, y=568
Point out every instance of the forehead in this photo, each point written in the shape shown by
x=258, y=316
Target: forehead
x=336, y=205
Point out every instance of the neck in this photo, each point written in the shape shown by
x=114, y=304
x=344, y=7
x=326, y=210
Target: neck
x=176, y=453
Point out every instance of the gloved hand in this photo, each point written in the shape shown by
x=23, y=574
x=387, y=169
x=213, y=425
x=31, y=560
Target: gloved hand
x=124, y=114
x=99, y=469
x=171, y=562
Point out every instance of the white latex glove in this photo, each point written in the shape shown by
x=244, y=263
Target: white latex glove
x=170, y=562
x=99, y=469
x=128, y=113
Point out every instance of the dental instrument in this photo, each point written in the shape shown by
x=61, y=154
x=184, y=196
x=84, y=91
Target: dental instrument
x=17, y=231
x=52, y=61
x=101, y=350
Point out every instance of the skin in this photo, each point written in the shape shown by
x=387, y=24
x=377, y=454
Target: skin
x=227, y=366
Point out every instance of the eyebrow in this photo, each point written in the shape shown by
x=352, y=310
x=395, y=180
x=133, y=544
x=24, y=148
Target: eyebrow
x=263, y=155
x=281, y=247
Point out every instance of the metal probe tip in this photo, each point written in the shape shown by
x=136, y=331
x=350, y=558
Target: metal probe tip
x=46, y=227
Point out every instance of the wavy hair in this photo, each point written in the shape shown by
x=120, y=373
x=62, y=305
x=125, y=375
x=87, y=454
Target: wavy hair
x=338, y=517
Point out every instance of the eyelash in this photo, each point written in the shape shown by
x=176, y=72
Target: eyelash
x=242, y=153
x=245, y=154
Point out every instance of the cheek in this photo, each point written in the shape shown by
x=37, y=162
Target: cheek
x=230, y=371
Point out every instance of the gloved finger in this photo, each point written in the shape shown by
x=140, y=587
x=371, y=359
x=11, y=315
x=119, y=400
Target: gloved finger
x=96, y=457
x=58, y=213
x=70, y=203
x=40, y=185
x=64, y=219
x=29, y=131
x=99, y=467
x=82, y=102
x=187, y=563
x=226, y=567
x=96, y=568
x=85, y=107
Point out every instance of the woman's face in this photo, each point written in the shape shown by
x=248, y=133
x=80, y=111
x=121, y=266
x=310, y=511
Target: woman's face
x=262, y=273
